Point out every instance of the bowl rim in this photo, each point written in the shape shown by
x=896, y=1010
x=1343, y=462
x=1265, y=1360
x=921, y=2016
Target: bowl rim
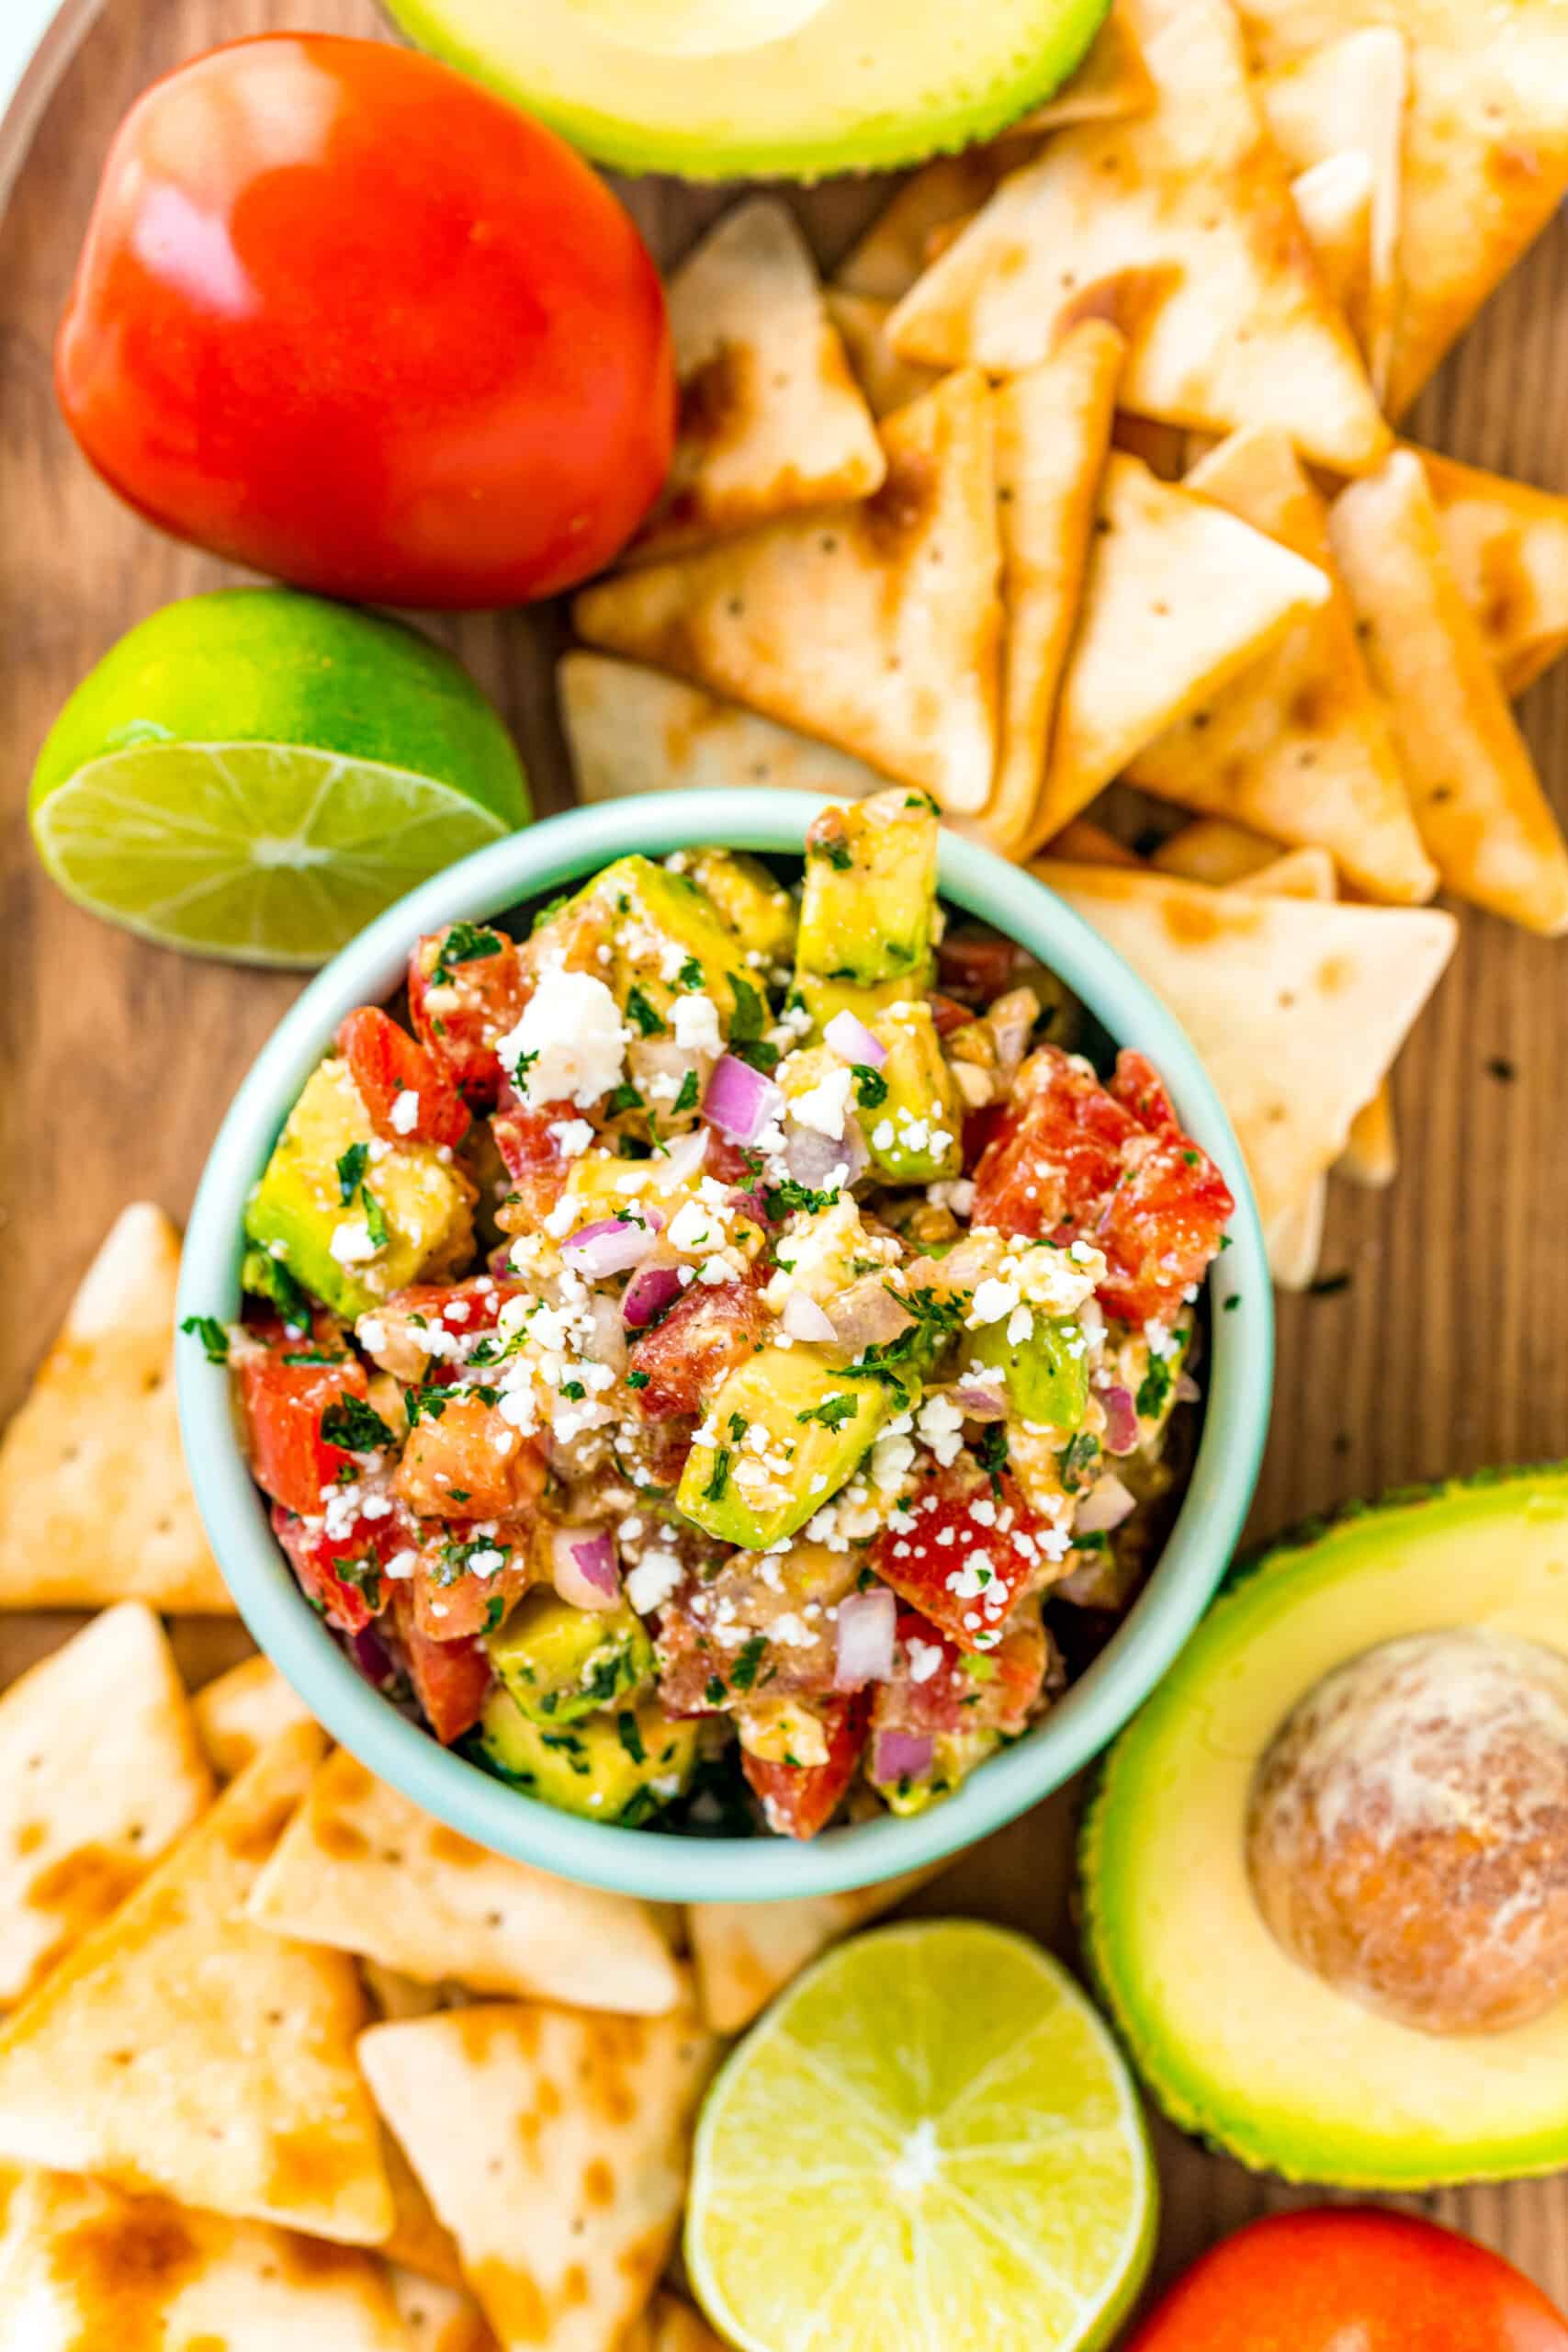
x=525, y=866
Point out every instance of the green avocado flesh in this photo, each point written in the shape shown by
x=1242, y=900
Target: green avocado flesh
x=862, y=82
x=1237, y=2041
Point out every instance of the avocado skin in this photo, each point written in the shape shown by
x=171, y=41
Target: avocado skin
x=1096, y=1933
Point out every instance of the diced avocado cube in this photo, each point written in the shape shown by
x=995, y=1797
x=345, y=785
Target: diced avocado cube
x=868, y=910
x=757, y=909
x=954, y=1757
x=666, y=940
x=781, y=1433
x=619, y=1767
x=1046, y=1374
x=823, y=997
x=823, y=1252
x=408, y=1216
x=560, y=1662
x=909, y=1110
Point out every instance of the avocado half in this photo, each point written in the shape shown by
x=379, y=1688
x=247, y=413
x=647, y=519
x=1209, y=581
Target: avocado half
x=1236, y=2040
x=860, y=84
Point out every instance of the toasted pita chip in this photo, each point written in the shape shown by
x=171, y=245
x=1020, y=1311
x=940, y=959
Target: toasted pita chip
x=1179, y=599
x=630, y=730
x=1294, y=1238
x=1246, y=335
x=393, y=1994
x=361, y=1868
x=183, y=2050
x=440, y=2319
x=100, y=1773
x=1113, y=83
x=1214, y=850
x=1052, y=434
x=241, y=1712
x=887, y=381
x=886, y=261
x=95, y=1504
x=1372, y=1156
x=1085, y=844
x=670, y=2325
x=745, y=1952
x=1349, y=98
x=1508, y=546
x=1335, y=201
x=1163, y=447
x=553, y=2145
x=88, y=2265
x=1300, y=874
x=770, y=420
x=876, y=626
x=1485, y=154
x=417, y=2241
x=1478, y=801
x=1297, y=1010
x=1299, y=746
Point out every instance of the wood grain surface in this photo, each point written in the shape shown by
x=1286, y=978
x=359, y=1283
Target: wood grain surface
x=1446, y=1348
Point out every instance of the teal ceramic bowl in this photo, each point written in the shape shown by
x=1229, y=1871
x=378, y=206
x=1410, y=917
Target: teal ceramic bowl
x=642, y=1862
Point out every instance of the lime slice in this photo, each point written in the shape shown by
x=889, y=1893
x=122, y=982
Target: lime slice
x=255, y=774
x=696, y=28
x=929, y=2141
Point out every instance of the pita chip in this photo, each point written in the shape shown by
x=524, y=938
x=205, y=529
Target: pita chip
x=440, y=2319
x=1484, y=817
x=95, y=1503
x=100, y=1773
x=554, y=2145
x=1372, y=1156
x=630, y=730
x=361, y=1868
x=1335, y=201
x=1111, y=82
x=1507, y=544
x=875, y=627
x=1084, y=843
x=1485, y=147
x=1247, y=334
x=1297, y=1010
x=1213, y=850
x=745, y=1952
x=1299, y=746
x=670, y=2325
x=771, y=418
x=1293, y=1239
x=88, y=2265
x=893, y=251
x=1179, y=599
x=887, y=381
x=183, y=2050
x=416, y=2241
x=239, y=1714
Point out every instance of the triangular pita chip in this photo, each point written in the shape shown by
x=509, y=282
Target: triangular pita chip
x=183, y=2050
x=1052, y=432
x=95, y=1503
x=1111, y=82
x=1372, y=1156
x=362, y=1868
x=1296, y=1010
x=417, y=2241
x=393, y=1994
x=1508, y=546
x=1214, y=850
x=87, y=2267
x=1485, y=159
x=100, y=1771
x=1246, y=335
x=630, y=730
x=876, y=626
x=1180, y=598
x=1086, y=843
x=887, y=381
x=1163, y=448
x=1348, y=99
x=1484, y=817
x=745, y=1952
x=1299, y=746
x=239, y=1714
x=1299, y=874
x=771, y=418
x=1294, y=1238
x=440, y=2319
x=1335, y=201
x=887, y=259
x=553, y=2143
x=670, y=2325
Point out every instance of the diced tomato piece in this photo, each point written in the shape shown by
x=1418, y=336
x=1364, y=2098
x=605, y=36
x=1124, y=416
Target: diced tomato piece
x=730, y=1163
x=978, y=966
x=466, y=1461
x=451, y=1680
x=800, y=1799
x=478, y=999
x=1162, y=1228
x=706, y=1334
x=997, y=1692
x=281, y=1405
x=968, y=1555
x=454, y=1601
x=947, y=1013
x=342, y=1575
x=388, y=1066
x=531, y=1150
x=1057, y=1154
x=1022, y=1659
x=434, y=1320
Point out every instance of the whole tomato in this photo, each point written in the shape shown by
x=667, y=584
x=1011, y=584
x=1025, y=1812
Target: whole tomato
x=344, y=316
x=1351, y=2278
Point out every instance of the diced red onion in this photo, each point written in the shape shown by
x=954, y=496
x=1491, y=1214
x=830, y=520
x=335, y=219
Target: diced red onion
x=584, y=1569
x=854, y=1041
x=740, y=1100
x=1186, y=1389
x=978, y=1403
x=611, y=1247
x=865, y=1624
x=1106, y=1505
x=648, y=1292
x=901, y=1755
x=1121, y=1421
x=682, y=1161
x=821, y=1162
x=499, y=1263
x=751, y=1204
x=868, y=1315
x=803, y=1319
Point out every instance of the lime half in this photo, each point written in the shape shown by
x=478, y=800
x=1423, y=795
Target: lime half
x=255, y=774
x=930, y=2141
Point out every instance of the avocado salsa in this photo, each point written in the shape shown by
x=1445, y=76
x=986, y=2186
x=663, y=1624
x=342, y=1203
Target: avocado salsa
x=697, y=1362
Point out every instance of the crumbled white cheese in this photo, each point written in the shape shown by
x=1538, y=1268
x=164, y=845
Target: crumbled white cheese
x=404, y=1112
x=570, y=1043
x=696, y=1025
x=350, y=1244
x=826, y=1106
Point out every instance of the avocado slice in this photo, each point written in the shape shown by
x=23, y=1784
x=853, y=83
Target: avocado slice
x=1046, y=1375
x=617, y=1766
x=665, y=939
x=425, y=1203
x=1236, y=2040
x=860, y=85
x=815, y=1424
x=758, y=911
x=909, y=1110
x=868, y=905
x=560, y=1663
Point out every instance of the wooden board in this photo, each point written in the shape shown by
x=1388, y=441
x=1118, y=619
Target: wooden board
x=1444, y=1352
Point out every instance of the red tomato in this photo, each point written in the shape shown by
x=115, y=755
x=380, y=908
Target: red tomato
x=343, y=1575
x=345, y=317
x=451, y=1680
x=800, y=1799
x=478, y=997
x=1350, y=2278
x=453, y=1601
x=386, y=1066
x=281, y=1405
x=531, y=1152
x=984, y=1545
x=947, y=1697
x=1162, y=1225
x=706, y=1334
x=466, y=1461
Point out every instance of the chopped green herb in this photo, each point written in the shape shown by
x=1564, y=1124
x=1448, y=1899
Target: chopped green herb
x=647, y=1016
x=760, y=1052
x=425, y=1401
x=716, y=1694
x=466, y=943
x=573, y=1389
x=637, y=1379
x=749, y=1017
x=691, y=974
x=213, y=1337
x=548, y=912
x=719, y=1478
x=748, y=1658
x=687, y=1097
x=495, y=1610
x=311, y=1355
x=832, y=1412
x=624, y=1098
x=871, y=1087
x=363, y=1577
x=376, y=1224
x=351, y=1170
x=1154, y=1389
x=630, y=1737
x=265, y=1276
x=992, y=1452
x=780, y=1199
x=1078, y=1461
x=1232, y=1302
x=737, y=1427
x=839, y=854
x=354, y=1425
